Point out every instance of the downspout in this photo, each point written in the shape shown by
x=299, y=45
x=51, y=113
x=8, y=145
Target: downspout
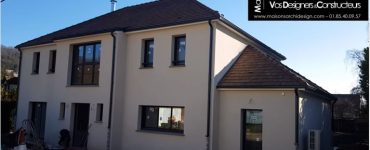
x=19, y=83
x=111, y=89
x=296, y=118
x=332, y=115
x=209, y=82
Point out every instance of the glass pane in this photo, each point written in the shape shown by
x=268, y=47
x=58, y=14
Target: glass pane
x=151, y=117
x=87, y=75
x=80, y=54
x=96, y=74
x=97, y=52
x=77, y=74
x=253, y=127
x=89, y=55
x=178, y=118
x=149, y=52
x=181, y=49
x=164, y=117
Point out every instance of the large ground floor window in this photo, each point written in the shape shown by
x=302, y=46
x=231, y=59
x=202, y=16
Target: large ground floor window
x=162, y=118
x=251, y=129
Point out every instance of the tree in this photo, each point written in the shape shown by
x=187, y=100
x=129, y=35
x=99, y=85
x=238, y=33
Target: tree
x=364, y=76
x=361, y=58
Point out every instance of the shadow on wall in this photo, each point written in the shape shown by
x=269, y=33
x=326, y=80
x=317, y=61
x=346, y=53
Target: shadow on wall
x=312, y=115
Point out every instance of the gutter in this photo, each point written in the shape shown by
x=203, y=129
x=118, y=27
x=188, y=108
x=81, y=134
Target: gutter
x=111, y=89
x=209, y=82
x=296, y=117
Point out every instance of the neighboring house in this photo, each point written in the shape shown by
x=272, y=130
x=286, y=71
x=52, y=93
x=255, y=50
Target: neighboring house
x=168, y=74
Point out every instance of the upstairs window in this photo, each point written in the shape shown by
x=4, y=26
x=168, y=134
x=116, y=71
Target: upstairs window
x=52, y=61
x=148, y=53
x=179, y=51
x=36, y=63
x=86, y=64
x=163, y=118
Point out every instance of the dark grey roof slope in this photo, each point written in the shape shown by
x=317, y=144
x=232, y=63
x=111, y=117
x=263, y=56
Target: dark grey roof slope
x=144, y=16
x=253, y=69
x=154, y=14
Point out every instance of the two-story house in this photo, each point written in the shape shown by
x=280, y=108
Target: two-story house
x=168, y=74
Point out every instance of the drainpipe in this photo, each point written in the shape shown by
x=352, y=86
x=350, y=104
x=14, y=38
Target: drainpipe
x=332, y=115
x=111, y=89
x=19, y=83
x=209, y=82
x=296, y=117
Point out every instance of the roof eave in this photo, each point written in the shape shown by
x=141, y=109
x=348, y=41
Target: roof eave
x=257, y=42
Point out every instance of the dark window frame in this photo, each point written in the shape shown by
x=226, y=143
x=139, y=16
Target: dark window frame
x=176, y=44
x=99, y=112
x=143, y=116
x=146, y=47
x=52, y=61
x=62, y=111
x=94, y=63
x=243, y=145
x=36, y=63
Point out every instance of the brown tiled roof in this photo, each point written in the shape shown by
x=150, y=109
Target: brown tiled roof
x=144, y=16
x=254, y=69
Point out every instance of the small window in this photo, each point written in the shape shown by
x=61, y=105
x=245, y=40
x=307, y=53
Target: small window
x=148, y=53
x=163, y=118
x=36, y=63
x=179, y=51
x=62, y=111
x=99, y=112
x=52, y=61
x=86, y=64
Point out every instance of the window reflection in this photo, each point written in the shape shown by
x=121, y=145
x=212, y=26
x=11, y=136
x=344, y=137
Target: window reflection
x=253, y=130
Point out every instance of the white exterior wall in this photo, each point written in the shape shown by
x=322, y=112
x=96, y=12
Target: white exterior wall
x=315, y=113
x=55, y=88
x=227, y=48
x=278, y=117
x=164, y=85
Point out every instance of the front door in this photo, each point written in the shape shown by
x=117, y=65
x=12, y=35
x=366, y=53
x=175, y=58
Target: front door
x=38, y=116
x=251, y=129
x=80, y=125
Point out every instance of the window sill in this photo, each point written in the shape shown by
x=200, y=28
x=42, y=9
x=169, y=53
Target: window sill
x=34, y=73
x=177, y=66
x=49, y=72
x=142, y=67
x=99, y=122
x=82, y=86
x=161, y=132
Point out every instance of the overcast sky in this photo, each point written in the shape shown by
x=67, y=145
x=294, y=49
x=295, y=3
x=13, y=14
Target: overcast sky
x=316, y=49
